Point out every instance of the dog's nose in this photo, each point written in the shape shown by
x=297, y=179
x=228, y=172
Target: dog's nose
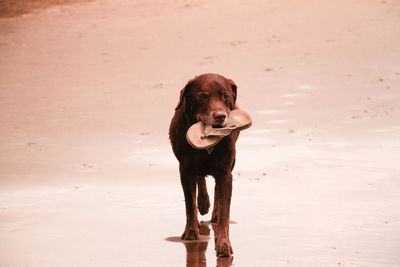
x=220, y=116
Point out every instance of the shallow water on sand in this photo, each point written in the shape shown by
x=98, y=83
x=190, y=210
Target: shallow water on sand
x=87, y=176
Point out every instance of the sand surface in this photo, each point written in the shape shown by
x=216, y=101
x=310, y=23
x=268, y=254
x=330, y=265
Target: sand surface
x=87, y=176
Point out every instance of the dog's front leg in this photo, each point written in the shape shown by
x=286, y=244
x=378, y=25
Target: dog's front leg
x=188, y=182
x=224, y=193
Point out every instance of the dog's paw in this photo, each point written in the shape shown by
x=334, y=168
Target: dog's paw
x=190, y=234
x=203, y=203
x=204, y=228
x=224, y=261
x=223, y=248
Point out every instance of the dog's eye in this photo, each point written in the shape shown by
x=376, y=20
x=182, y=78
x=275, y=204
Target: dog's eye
x=223, y=94
x=204, y=96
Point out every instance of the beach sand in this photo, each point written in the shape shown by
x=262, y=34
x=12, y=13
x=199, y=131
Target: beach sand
x=87, y=91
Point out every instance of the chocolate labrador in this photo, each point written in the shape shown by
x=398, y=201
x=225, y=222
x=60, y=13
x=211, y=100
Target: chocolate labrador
x=208, y=98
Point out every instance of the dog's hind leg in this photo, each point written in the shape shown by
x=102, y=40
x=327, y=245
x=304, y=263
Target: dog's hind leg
x=203, y=201
x=214, y=217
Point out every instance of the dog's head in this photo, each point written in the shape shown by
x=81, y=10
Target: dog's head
x=209, y=98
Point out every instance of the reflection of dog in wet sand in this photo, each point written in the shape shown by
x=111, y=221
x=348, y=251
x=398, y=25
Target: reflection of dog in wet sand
x=196, y=250
x=208, y=98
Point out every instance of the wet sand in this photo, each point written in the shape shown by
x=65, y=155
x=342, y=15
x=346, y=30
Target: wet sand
x=87, y=176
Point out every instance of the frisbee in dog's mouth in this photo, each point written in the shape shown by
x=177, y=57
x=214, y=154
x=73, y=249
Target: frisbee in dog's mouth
x=203, y=136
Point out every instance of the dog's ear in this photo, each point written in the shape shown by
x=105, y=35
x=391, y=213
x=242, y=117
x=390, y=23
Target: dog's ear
x=234, y=89
x=183, y=94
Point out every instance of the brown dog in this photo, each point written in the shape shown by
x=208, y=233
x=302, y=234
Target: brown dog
x=208, y=98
